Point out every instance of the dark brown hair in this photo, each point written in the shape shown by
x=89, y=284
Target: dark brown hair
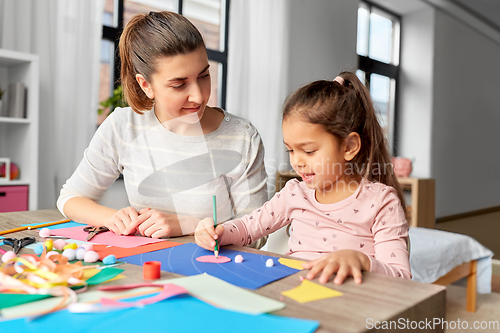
x=145, y=39
x=343, y=108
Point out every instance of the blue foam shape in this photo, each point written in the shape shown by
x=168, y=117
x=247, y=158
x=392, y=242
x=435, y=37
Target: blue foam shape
x=252, y=273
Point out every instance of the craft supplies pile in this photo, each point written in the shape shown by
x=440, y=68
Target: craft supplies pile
x=51, y=284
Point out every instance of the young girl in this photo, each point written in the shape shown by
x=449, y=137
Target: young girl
x=347, y=214
x=173, y=150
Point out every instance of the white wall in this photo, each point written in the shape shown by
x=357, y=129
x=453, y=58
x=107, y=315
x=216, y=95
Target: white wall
x=415, y=90
x=466, y=118
x=322, y=39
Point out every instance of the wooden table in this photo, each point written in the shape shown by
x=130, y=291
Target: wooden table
x=379, y=298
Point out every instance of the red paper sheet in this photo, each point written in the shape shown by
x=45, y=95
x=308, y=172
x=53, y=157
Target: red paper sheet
x=105, y=238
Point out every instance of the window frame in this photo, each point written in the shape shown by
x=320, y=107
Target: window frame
x=372, y=66
x=112, y=34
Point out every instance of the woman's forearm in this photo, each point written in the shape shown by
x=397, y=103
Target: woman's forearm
x=85, y=210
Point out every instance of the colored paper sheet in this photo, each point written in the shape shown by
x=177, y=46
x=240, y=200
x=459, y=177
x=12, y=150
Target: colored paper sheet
x=120, y=252
x=69, y=224
x=252, y=273
x=309, y=291
x=225, y=295
x=106, y=238
x=8, y=300
x=104, y=275
x=297, y=264
x=177, y=314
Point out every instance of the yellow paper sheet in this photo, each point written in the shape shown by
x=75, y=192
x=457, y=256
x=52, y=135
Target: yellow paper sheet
x=297, y=264
x=309, y=291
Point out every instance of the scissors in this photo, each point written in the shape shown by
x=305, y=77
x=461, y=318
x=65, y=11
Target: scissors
x=17, y=244
x=94, y=231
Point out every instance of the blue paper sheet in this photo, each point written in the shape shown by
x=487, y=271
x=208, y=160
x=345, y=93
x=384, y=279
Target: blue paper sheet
x=69, y=224
x=178, y=314
x=252, y=273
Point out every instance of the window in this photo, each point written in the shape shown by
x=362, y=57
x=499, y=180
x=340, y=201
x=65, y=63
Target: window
x=378, y=61
x=209, y=16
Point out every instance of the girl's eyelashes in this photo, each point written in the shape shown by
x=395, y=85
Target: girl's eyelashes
x=310, y=152
x=288, y=151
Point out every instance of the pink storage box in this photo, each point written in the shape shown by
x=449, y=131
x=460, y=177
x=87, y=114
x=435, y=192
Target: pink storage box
x=13, y=198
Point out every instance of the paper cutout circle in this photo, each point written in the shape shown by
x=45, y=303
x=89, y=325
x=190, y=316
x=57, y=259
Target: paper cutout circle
x=211, y=259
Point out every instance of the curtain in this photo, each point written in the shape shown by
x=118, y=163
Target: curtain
x=257, y=79
x=66, y=35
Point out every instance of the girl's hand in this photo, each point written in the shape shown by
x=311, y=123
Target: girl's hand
x=205, y=234
x=343, y=262
x=155, y=224
x=121, y=219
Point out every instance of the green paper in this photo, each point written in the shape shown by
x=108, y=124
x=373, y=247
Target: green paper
x=8, y=300
x=104, y=275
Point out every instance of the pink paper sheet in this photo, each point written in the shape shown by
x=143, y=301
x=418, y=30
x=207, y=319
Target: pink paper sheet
x=106, y=238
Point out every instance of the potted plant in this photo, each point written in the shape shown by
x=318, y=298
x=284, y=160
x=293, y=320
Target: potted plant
x=114, y=101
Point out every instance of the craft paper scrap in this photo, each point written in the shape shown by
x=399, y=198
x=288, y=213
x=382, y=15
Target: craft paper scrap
x=106, y=238
x=225, y=295
x=28, y=309
x=297, y=264
x=184, y=314
x=69, y=224
x=92, y=276
x=309, y=291
x=120, y=252
x=252, y=273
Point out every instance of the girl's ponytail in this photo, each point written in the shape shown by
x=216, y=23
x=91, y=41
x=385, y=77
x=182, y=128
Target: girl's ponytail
x=374, y=156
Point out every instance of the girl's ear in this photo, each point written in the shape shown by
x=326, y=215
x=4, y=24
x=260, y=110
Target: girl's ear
x=145, y=86
x=352, y=146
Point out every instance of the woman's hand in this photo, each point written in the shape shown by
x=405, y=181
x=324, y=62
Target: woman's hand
x=343, y=262
x=119, y=221
x=155, y=224
x=205, y=234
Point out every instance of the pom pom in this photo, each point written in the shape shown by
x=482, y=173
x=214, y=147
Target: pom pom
x=80, y=253
x=38, y=249
x=238, y=259
x=48, y=245
x=70, y=246
x=109, y=260
x=91, y=256
x=70, y=254
x=51, y=253
x=45, y=232
x=8, y=256
x=87, y=246
x=269, y=262
x=60, y=244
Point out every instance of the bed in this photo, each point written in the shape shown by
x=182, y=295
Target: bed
x=443, y=257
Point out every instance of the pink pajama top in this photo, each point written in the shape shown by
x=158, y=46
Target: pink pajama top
x=371, y=221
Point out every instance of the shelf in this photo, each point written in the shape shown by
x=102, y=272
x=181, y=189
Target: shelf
x=15, y=182
x=11, y=120
x=19, y=136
